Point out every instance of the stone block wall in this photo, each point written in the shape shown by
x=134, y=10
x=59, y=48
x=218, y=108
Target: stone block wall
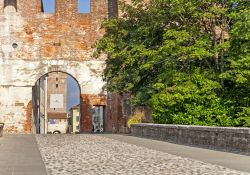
x=221, y=138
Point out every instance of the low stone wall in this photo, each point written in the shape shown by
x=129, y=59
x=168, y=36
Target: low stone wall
x=220, y=138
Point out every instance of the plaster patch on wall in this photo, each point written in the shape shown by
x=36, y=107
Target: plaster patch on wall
x=26, y=73
x=14, y=116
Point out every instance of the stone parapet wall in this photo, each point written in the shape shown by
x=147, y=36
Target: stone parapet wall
x=220, y=138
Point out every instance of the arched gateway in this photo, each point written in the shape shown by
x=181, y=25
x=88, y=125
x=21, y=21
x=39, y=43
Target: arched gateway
x=34, y=43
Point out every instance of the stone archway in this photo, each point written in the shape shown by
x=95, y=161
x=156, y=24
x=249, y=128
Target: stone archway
x=56, y=103
x=16, y=88
x=16, y=92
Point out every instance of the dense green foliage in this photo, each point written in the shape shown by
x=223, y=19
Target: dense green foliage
x=188, y=60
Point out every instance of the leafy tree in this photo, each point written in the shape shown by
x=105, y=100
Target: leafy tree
x=177, y=57
x=237, y=75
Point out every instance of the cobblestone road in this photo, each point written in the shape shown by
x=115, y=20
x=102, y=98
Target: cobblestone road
x=94, y=154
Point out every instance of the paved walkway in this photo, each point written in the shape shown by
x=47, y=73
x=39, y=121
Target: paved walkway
x=19, y=155
x=90, y=154
x=226, y=159
x=111, y=154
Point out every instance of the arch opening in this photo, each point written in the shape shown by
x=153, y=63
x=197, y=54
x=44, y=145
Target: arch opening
x=56, y=104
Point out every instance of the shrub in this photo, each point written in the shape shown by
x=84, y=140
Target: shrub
x=137, y=117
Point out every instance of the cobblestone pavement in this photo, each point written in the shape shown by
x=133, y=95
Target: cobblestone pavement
x=94, y=154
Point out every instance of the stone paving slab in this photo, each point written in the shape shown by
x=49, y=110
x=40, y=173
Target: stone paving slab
x=19, y=155
x=95, y=154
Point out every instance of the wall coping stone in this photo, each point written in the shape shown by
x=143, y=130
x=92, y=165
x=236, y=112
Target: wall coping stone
x=245, y=130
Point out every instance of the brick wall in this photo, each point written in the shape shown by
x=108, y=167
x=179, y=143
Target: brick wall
x=34, y=43
x=87, y=102
x=116, y=114
x=115, y=120
x=221, y=138
x=66, y=35
x=28, y=125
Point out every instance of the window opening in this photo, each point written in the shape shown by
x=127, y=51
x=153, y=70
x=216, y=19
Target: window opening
x=77, y=118
x=84, y=6
x=48, y=6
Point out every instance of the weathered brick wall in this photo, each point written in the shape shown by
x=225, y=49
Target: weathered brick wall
x=114, y=118
x=28, y=123
x=34, y=43
x=113, y=113
x=66, y=35
x=88, y=102
x=221, y=138
x=116, y=114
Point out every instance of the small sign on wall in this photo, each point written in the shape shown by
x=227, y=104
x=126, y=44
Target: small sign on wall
x=56, y=100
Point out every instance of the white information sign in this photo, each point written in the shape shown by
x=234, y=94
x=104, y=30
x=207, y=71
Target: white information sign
x=56, y=100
